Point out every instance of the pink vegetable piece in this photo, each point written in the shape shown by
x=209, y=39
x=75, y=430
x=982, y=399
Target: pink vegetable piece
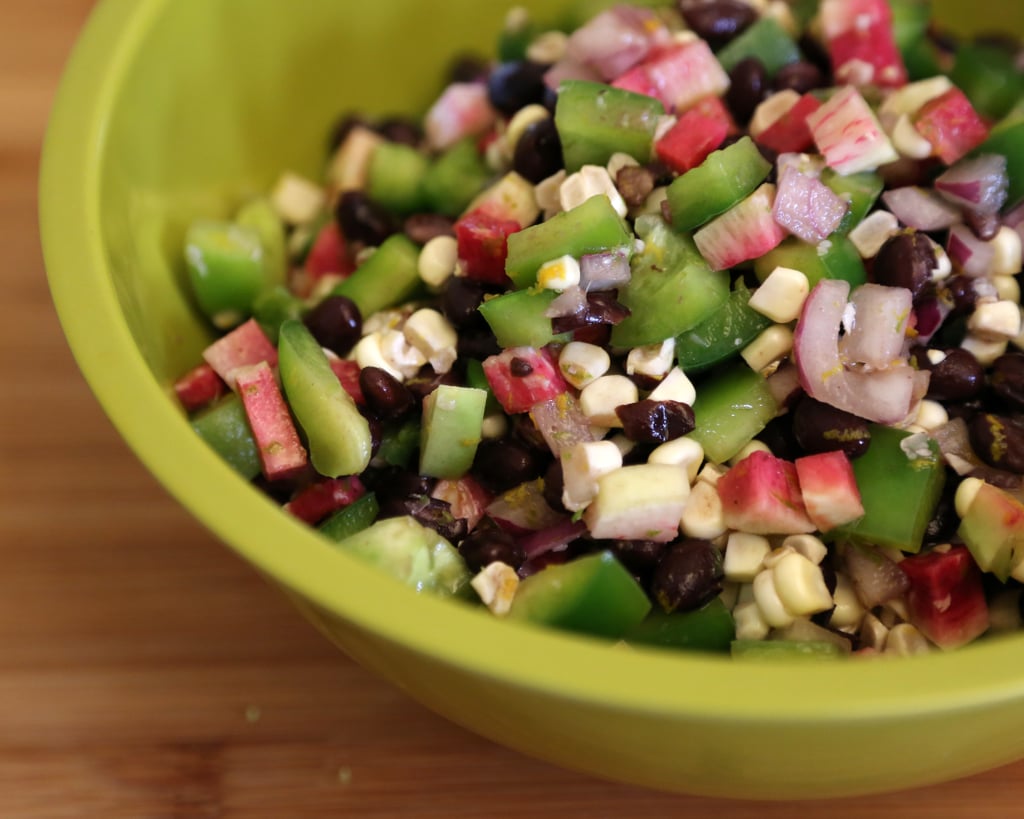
x=829, y=489
x=950, y=123
x=616, y=40
x=807, y=207
x=521, y=377
x=946, y=597
x=745, y=231
x=281, y=452
x=467, y=498
x=318, y=500
x=849, y=135
x=247, y=344
x=761, y=494
x=679, y=76
x=462, y=110
x=199, y=387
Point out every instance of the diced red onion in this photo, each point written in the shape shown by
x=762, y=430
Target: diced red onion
x=921, y=208
x=606, y=270
x=979, y=184
x=784, y=384
x=879, y=325
x=561, y=422
x=568, y=69
x=617, y=39
x=806, y=207
x=929, y=315
x=969, y=253
x=523, y=509
x=875, y=577
x=809, y=164
x=552, y=538
x=569, y=302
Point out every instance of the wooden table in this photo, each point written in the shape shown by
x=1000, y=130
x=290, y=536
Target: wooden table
x=145, y=671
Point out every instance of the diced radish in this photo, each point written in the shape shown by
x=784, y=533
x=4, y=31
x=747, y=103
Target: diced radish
x=245, y=345
x=790, y=132
x=462, y=110
x=745, y=231
x=198, y=387
x=697, y=133
x=946, y=598
x=561, y=422
x=639, y=502
x=829, y=489
x=678, y=76
x=328, y=255
x=847, y=132
x=837, y=16
x=868, y=56
x=968, y=253
x=521, y=377
x=483, y=244
x=979, y=184
x=950, y=123
x=316, y=501
x=617, y=39
x=467, y=498
x=347, y=371
x=806, y=207
x=523, y=509
x=281, y=451
x=761, y=495
x=921, y=208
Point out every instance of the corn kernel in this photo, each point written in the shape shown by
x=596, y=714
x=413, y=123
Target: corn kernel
x=436, y=263
x=750, y=622
x=800, y=585
x=297, y=200
x=744, y=556
x=872, y=232
x=559, y=274
x=772, y=345
x=588, y=181
x=1006, y=247
x=807, y=545
x=995, y=321
x=582, y=465
x=772, y=608
x=781, y=296
x=581, y=363
x=675, y=386
x=601, y=396
x=654, y=360
x=771, y=110
x=684, y=452
x=496, y=585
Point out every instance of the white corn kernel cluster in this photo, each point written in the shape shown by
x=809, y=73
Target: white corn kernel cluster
x=350, y=166
x=744, y=556
x=771, y=110
x=546, y=192
x=771, y=346
x=849, y=611
x=873, y=231
x=654, y=360
x=434, y=337
x=1006, y=250
x=995, y=320
x=904, y=640
x=781, y=296
x=909, y=98
x=986, y=350
x=582, y=465
x=496, y=586
x=559, y=274
x=790, y=586
x=908, y=141
x=684, y=452
x=588, y=181
x=931, y=415
x=675, y=386
x=601, y=396
x=748, y=617
x=809, y=546
x=390, y=351
x=581, y=363
x=296, y=199
x=703, y=516
x=437, y=260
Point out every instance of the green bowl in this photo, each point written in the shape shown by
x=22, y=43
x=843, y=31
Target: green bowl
x=174, y=109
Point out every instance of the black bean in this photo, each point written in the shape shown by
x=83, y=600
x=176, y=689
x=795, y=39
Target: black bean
x=748, y=81
x=602, y=308
x=663, y=174
x=385, y=394
x=400, y=129
x=430, y=512
x=655, y=422
x=635, y=184
x=983, y=225
x=1007, y=379
x=554, y=483
x=814, y=51
x=779, y=436
x=422, y=227
x=960, y=293
x=479, y=344
x=516, y=84
x=958, y=377
x=717, y=21
x=640, y=557
x=396, y=482
x=905, y=260
x=999, y=440
x=523, y=430
x=486, y=544
x=820, y=427
x=459, y=302
x=688, y=575
x=538, y=152
x=362, y=220
x=335, y=323
x=801, y=76
x=943, y=525
x=506, y=463
x=468, y=68
x=426, y=381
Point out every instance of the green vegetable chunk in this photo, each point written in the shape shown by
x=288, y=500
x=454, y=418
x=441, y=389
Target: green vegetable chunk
x=452, y=418
x=722, y=180
x=672, y=288
x=338, y=435
x=226, y=268
x=767, y=41
x=731, y=408
x=354, y=518
x=591, y=595
x=835, y=258
x=517, y=319
x=396, y=175
x=274, y=306
x=587, y=228
x=454, y=178
x=722, y=334
x=595, y=120
x=861, y=190
x=899, y=491
x=225, y=427
x=413, y=554
x=260, y=215
x=389, y=277
x=709, y=628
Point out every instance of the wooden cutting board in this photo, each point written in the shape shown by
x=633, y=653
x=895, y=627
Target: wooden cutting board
x=147, y=672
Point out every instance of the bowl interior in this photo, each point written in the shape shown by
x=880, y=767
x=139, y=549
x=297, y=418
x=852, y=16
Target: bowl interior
x=171, y=110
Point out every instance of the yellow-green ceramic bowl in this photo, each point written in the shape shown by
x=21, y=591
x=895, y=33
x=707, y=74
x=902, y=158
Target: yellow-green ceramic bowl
x=173, y=109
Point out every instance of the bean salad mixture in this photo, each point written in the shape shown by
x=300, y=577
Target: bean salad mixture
x=690, y=324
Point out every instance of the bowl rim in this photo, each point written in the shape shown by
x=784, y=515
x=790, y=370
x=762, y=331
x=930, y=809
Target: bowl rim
x=643, y=680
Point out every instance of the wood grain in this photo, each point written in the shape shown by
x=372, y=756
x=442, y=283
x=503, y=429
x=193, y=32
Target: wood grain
x=145, y=672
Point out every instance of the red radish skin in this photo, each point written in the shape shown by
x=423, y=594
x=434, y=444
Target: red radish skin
x=761, y=495
x=679, y=76
x=348, y=374
x=199, y=387
x=244, y=346
x=696, y=134
x=950, y=123
x=849, y=135
x=744, y=232
x=329, y=254
x=318, y=500
x=868, y=57
x=540, y=379
x=483, y=245
x=790, y=133
x=466, y=497
x=463, y=110
x=946, y=598
x=829, y=489
x=281, y=451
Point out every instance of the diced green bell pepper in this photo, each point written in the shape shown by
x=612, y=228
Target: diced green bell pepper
x=709, y=628
x=352, y=519
x=835, y=258
x=730, y=409
x=226, y=268
x=389, y=277
x=987, y=75
x=274, y=306
x=722, y=334
x=260, y=215
x=452, y=180
x=396, y=175
x=451, y=430
x=591, y=595
x=672, y=289
x=225, y=427
x=517, y=318
x=767, y=41
x=899, y=492
x=861, y=190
